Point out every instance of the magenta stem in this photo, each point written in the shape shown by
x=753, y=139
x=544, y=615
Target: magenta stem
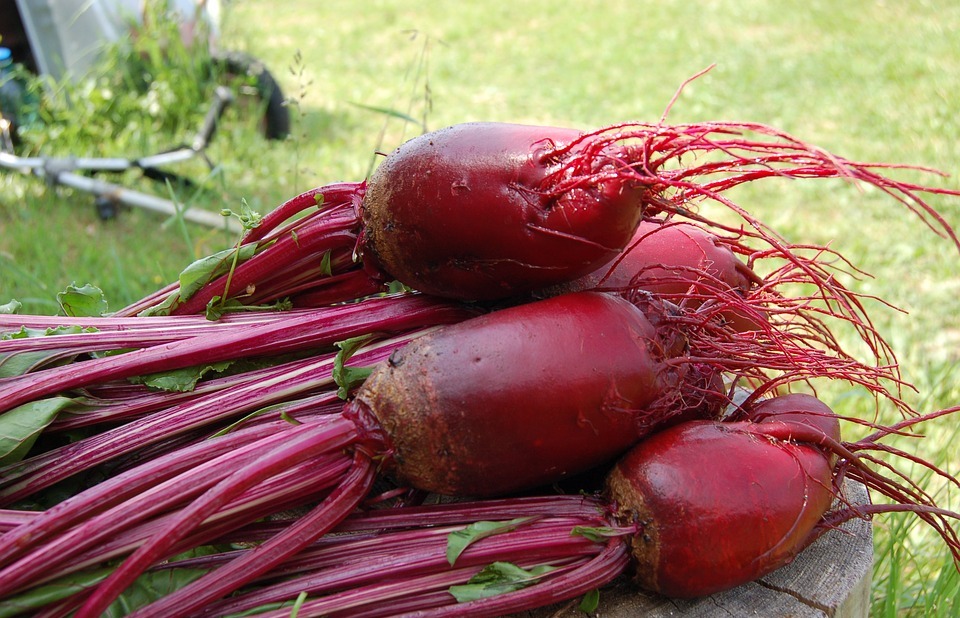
x=308, y=330
x=226, y=579
x=300, y=443
x=268, y=387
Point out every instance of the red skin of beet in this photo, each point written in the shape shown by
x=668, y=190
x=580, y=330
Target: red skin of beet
x=670, y=258
x=800, y=408
x=719, y=504
x=474, y=211
x=682, y=262
x=524, y=396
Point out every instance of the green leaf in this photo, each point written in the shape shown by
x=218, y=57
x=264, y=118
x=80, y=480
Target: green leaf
x=86, y=301
x=26, y=333
x=459, y=540
x=11, y=308
x=590, y=602
x=20, y=363
x=395, y=287
x=57, y=590
x=202, y=272
x=325, y=268
x=597, y=534
x=295, y=610
x=150, y=587
x=165, y=307
x=181, y=380
x=497, y=578
x=21, y=426
x=346, y=378
x=205, y=270
x=23, y=333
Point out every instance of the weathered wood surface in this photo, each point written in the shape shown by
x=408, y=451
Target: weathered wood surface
x=831, y=578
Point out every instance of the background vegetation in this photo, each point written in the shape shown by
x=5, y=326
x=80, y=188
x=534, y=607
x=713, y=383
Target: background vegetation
x=867, y=79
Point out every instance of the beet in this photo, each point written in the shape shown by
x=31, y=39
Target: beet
x=524, y=396
x=474, y=210
x=718, y=504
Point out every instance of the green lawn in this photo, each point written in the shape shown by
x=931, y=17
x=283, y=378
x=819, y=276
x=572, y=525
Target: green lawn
x=876, y=81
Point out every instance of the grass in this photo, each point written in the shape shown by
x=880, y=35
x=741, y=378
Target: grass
x=866, y=79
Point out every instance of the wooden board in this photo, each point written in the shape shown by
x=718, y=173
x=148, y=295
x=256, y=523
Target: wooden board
x=831, y=578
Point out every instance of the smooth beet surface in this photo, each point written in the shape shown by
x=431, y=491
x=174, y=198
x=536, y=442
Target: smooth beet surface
x=488, y=210
x=674, y=258
x=800, y=408
x=524, y=396
x=718, y=504
x=684, y=263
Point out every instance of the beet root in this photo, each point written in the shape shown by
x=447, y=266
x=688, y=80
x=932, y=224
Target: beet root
x=473, y=211
x=683, y=263
x=718, y=504
x=555, y=387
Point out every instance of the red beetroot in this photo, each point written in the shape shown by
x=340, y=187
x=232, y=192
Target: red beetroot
x=674, y=259
x=525, y=396
x=800, y=408
x=719, y=504
x=471, y=210
x=681, y=262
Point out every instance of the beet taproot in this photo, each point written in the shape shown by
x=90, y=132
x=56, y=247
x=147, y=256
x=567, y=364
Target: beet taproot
x=524, y=396
x=474, y=208
x=682, y=262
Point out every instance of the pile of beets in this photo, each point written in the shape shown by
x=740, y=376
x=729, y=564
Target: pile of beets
x=512, y=366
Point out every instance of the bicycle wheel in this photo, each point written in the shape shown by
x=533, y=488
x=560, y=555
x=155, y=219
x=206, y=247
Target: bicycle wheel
x=275, y=120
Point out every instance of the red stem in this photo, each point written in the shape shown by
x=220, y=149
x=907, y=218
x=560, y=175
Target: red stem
x=302, y=442
x=226, y=579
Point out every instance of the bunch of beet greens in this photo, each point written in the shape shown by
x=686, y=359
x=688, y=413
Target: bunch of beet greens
x=563, y=306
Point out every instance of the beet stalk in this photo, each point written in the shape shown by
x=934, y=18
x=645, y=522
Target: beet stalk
x=689, y=533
